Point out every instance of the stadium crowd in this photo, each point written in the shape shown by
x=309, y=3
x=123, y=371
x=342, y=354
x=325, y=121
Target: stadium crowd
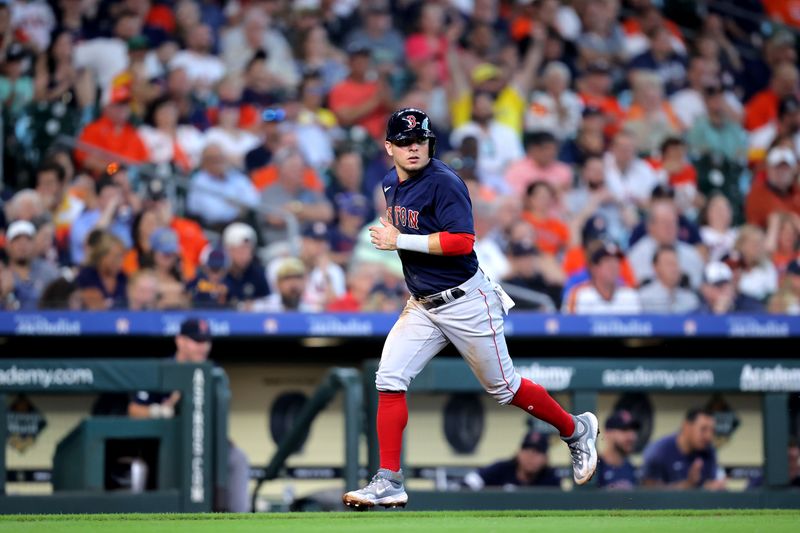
x=635, y=156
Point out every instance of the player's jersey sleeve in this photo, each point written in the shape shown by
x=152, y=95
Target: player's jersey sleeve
x=453, y=208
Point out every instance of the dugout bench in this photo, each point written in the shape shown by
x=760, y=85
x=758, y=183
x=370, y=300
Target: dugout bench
x=191, y=448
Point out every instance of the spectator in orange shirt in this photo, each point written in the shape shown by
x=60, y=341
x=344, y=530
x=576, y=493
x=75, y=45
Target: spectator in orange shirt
x=360, y=101
x=681, y=176
x=594, y=89
x=113, y=134
x=779, y=193
x=763, y=106
x=552, y=235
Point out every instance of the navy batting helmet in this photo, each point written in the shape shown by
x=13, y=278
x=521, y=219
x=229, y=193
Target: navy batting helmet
x=410, y=123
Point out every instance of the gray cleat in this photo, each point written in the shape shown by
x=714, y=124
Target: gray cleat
x=583, y=447
x=386, y=489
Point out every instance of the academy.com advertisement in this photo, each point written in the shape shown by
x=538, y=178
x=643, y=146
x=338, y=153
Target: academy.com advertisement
x=43, y=378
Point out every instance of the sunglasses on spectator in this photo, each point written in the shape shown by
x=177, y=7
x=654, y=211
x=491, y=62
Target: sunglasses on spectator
x=273, y=115
x=411, y=140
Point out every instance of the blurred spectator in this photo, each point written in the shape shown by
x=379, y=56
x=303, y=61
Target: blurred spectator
x=630, y=179
x=360, y=282
x=779, y=192
x=787, y=299
x=291, y=285
x=681, y=176
x=346, y=175
x=16, y=86
x=592, y=197
x=167, y=268
x=662, y=59
x=112, y=137
x=499, y=146
x=166, y=140
x=378, y=34
x=715, y=132
x=270, y=133
x=7, y=300
x=365, y=252
x=538, y=164
x=785, y=126
x=25, y=205
x=687, y=459
x=191, y=110
x=762, y=108
x=360, y=99
x=30, y=274
x=552, y=235
x=720, y=295
x=528, y=468
x=531, y=270
x=783, y=239
x=140, y=255
x=246, y=279
x=594, y=88
x=33, y=22
x=289, y=196
x=64, y=208
x=108, y=214
x=218, y=193
x=106, y=57
x=59, y=294
x=717, y=233
x=143, y=291
x=326, y=279
x=260, y=88
x=313, y=140
x=352, y=214
x=487, y=246
x=101, y=282
x=650, y=118
x=602, y=38
x=208, y=289
x=556, y=109
x=664, y=294
x=759, y=278
x=319, y=57
x=234, y=141
x=689, y=103
x=662, y=230
x=602, y=294
x=313, y=108
x=203, y=68
x=614, y=469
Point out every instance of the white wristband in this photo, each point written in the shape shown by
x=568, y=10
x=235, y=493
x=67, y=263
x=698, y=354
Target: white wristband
x=414, y=243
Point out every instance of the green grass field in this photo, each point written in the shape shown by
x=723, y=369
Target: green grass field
x=723, y=521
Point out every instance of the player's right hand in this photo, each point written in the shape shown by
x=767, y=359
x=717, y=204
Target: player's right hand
x=384, y=237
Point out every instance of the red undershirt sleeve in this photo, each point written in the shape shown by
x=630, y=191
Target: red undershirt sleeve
x=456, y=243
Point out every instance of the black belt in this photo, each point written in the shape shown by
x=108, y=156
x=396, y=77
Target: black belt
x=435, y=300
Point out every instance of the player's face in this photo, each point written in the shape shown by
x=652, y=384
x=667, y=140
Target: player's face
x=623, y=440
x=531, y=461
x=191, y=351
x=410, y=155
x=701, y=432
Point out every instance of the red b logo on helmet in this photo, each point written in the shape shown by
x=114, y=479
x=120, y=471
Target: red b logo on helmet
x=411, y=120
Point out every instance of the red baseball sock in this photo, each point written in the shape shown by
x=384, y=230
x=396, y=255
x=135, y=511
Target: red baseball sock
x=536, y=401
x=391, y=421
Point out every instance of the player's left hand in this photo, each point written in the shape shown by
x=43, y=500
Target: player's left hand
x=384, y=237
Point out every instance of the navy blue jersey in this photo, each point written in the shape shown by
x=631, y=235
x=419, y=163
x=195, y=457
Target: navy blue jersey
x=504, y=473
x=664, y=462
x=432, y=201
x=616, y=477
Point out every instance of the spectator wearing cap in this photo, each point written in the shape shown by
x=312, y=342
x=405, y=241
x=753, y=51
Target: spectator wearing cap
x=191, y=238
x=193, y=345
x=64, y=208
x=219, y=194
x=787, y=300
x=167, y=141
x=531, y=270
x=602, y=294
x=689, y=103
x=539, y=164
x=762, y=108
x=111, y=137
x=143, y=291
x=352, y=213
x=555, y=109
x=759, y=277
x=595, y=90
x=720, y=295
x=663, y=230
x=785, y=126
x=30, y=274
x=614, y=469
x=664, y=294
x=16, y=88
x=686, y=459
x=326, y=279
x=102, y=283
x=717, y=232
x=203, y=68
x=779, y=192
x=629, y=178
x=208, y=289
x=289, y=197
x=167, y=268
x=528, y=468
x=360, y=101
x=245, y=278
x=663, y=60
x=552, y=235
x=108, y=214
x=291, y=285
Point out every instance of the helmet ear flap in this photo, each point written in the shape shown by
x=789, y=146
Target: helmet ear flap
x=431, y=146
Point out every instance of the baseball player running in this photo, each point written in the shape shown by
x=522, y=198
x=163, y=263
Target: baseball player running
x=429, y=222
